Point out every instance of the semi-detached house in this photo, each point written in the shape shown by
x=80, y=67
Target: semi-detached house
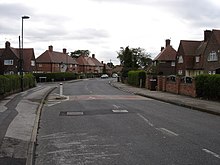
x=199, y=57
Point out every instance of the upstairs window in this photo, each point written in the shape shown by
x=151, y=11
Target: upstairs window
x=212, y=56
x=180, y=59
x=32, y=63
x=197, y=59
x=173, y=63
x=8, y=62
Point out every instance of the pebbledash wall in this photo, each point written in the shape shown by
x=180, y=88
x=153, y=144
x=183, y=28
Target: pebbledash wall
x=177, y=87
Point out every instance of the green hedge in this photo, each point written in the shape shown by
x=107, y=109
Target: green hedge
x=208, y=86
x=135, y=76
x=12, y=83
x=56, y=76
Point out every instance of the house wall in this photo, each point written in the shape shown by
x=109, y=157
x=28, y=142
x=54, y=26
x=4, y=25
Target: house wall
x=165, y=68
x=9, y=55
x=211, y=66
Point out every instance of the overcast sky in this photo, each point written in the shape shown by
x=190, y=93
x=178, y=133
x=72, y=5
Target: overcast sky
x=103, y=26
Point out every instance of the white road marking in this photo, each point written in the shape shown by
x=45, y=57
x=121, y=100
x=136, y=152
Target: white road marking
x=212, y=153
x=168, y=132
x=145, y=119
x=119, y=111
x=115, y=106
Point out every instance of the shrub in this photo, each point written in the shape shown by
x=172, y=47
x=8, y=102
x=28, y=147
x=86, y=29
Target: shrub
x=134, y=78
x=208, y=86
x=60, y=76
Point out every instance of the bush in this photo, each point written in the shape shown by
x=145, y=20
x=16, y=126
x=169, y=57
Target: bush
x=134, y=78
x=208, y=86
x=12, y=83
x=56, y=76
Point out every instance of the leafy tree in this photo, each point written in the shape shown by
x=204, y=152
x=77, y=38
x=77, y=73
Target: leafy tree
x=77, y=53
x=133, y=59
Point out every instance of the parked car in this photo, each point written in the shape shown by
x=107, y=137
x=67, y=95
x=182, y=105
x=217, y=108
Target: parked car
x=104, y=76
x=114, y=75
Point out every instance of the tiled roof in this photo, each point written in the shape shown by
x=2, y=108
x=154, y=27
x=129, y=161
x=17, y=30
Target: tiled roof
x=89, y=61
x=190, y=47
x=167, y=54
x=55, y=57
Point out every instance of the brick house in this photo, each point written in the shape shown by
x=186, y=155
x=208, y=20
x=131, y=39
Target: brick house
x=212, y=52
x=52, y=61
x=164, y=62
x=89, y=64
x=198, y=57
x=10, y=60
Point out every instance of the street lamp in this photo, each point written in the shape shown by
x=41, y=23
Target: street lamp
x=22, y=48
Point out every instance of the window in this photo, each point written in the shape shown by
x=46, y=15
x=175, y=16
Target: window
x=180, y=72
x=197, y=59
x=40, y=65
x=173, y=63
x=8, y=62
x=71, y=65
x=180, y=59
x=32, y=63
x=212, y=56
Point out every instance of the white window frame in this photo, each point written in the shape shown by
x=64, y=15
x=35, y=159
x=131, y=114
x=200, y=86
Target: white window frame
x=197, y=59
x=180, y=72
x=180, y=59
x=173, y=63
x=8, y=62
x=32, y=63
x=213, y=56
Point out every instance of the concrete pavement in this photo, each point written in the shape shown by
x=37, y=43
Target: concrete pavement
x=212, y=107
x=19, y=117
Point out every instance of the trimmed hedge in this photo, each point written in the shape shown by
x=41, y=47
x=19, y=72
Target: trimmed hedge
x=208, y=86
x=12, y=83
x=61, y=76
x=134, y=78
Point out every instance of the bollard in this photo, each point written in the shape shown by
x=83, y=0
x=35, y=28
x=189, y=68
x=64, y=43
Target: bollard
x=61, y=89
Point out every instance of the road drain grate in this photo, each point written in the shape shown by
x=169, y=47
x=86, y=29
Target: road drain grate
x=71, y=113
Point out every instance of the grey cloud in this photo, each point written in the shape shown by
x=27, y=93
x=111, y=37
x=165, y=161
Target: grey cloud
x=194, y=12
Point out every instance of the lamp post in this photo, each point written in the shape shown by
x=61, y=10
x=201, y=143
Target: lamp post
x=22, y=50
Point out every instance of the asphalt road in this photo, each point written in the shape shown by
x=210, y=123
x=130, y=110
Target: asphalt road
x=100, y=125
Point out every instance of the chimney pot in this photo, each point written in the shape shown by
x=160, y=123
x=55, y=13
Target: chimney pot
x=64, y=50
x=167, y=42
x=207, y=34
x=50, y=48
x=162, y=48
x=7, y=44
x=93, y=55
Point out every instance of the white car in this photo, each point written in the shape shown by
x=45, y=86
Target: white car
x=104, y=76
x=114, y=75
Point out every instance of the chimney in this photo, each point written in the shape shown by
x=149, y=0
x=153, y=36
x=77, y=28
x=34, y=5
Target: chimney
x=7, y=44
x=50, y=48
x=64, y=50
x=207, y=34
x=102, y=62
x=93, y=55
x=162, y=48
x=167, y=42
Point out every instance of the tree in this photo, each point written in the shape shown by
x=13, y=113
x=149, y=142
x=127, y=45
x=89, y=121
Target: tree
x=77, y=53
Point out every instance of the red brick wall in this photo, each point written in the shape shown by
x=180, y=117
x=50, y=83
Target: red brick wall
x=173, y=87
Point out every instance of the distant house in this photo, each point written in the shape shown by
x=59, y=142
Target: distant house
x=198, y=57
x=52, y=61
x=13, y=61
x=89, y=64
x=164, y=62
